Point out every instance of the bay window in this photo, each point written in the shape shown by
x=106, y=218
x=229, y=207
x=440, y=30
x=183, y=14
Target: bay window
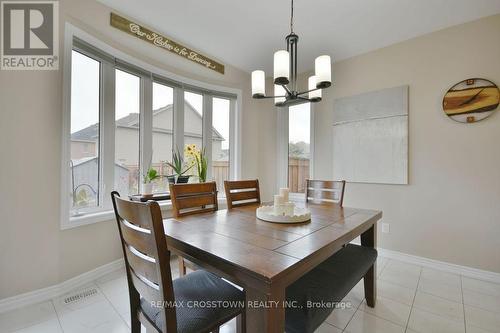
x=123, y=117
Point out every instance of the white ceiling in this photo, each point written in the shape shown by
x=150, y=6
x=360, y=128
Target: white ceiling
x=246, y=33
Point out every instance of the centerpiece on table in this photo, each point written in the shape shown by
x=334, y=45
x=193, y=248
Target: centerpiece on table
x=283, y=211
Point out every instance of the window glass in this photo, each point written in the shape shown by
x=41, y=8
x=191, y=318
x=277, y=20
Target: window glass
x=85, y=87
x=299, y=140
x=220, y=142
x=127, y=127
x=193, y=126
x=163, y=117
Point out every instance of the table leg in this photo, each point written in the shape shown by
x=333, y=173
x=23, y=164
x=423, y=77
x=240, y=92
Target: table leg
x=265, y=312
x=369, y=239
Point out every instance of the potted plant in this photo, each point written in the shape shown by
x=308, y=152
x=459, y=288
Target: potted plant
x=148, y=178
x=179, y=168
x=199, y=159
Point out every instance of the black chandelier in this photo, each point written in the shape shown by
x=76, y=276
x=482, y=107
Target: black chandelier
x=285, y=75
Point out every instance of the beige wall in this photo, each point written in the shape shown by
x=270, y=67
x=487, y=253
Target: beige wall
x=34, y=252
x=450, y=211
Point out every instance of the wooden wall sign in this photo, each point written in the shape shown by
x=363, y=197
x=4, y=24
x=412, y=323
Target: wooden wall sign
x=157, y=39
x=471, y=100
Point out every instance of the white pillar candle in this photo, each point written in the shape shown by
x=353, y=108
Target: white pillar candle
x=289, y=208
x=278, y=200
x=284, y=193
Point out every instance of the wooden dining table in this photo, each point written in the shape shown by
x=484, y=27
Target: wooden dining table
x=264, y=257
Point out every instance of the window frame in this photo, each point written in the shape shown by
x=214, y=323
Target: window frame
x=111, y=58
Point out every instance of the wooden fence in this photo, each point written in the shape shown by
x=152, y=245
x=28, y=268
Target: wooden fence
x=298, y=172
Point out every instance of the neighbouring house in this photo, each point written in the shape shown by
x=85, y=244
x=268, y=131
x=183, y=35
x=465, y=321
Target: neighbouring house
x=84, y=148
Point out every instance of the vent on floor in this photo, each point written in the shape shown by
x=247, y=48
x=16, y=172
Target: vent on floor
x=80, y=296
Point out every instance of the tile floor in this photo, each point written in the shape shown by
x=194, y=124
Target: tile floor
x=411, y=299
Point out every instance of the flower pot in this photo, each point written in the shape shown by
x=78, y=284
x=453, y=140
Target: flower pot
x=147, y=188
x=174, y=179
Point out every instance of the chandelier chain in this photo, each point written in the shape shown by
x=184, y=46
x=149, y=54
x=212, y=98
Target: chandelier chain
x=291, y=20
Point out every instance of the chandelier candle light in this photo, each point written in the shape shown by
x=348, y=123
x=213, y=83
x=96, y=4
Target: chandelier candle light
x=285, y=75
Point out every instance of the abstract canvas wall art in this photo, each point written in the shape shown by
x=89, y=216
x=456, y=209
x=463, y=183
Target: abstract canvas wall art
x=370, y=137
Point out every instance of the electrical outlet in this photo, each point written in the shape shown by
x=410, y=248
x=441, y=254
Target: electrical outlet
x=386, y=228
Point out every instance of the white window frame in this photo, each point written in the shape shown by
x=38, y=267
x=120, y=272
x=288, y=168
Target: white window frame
x=107, y=122
x=282, y=116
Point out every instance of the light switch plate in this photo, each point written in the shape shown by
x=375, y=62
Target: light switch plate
x=386, y=228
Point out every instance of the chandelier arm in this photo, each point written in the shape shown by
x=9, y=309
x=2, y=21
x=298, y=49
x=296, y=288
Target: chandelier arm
x=288, y=91
x=308, y=91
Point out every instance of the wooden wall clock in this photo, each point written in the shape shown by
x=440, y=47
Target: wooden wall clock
x=471, y=100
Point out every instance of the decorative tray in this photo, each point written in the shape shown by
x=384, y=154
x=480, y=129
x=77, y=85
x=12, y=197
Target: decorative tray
x=266, y=213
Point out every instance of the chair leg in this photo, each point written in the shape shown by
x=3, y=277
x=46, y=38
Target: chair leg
x=182, y=266
x=241, y=325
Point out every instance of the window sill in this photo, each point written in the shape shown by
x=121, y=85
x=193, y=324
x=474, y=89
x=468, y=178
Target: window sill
x=109, y=215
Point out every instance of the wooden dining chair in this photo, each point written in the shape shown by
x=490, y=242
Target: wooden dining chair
x=190, y=199
x=242, y=192
x=324, y=191
x=156, y=301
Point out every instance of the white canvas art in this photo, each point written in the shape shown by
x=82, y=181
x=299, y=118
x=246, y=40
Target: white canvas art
x=370, y=137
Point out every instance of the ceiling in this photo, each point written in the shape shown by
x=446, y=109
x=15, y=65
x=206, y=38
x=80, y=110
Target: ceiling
x=245, y=33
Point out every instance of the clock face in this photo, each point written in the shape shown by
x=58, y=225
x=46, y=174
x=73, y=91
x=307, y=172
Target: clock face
x=471, y=100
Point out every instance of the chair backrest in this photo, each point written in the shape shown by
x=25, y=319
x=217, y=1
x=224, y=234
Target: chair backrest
x=325, y=191
x=242, y=192
x=147, y=258
x=193, y=198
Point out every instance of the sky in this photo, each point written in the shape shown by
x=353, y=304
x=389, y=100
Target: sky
x=299, y=122
x=85, y=101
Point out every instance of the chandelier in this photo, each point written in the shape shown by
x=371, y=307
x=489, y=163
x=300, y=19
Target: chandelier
x=285, y=75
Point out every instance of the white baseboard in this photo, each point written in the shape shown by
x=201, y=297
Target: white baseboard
x=60, y=289
x=473, y=273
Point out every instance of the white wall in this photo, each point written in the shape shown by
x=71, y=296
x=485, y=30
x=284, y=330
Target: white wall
x=450, y=210
x=34, y=252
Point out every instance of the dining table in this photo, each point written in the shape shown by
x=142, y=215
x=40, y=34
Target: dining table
x=264, y=258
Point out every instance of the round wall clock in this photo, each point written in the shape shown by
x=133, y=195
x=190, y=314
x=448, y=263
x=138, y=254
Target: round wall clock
x=471, y=100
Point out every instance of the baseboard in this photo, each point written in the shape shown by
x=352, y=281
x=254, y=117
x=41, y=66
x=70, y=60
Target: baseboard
x=51, y=292
x=473, y=273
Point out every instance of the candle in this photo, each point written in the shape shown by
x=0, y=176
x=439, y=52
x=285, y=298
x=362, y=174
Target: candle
x=284, y=193
x=289, y=208
x=278, y=200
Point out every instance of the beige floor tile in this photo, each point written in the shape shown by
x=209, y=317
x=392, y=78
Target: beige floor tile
x=363, y=322
x=481, y=318
x=99, y=317
x=394, y=292
x=484, y=287
x=439, y=306
x=452, y=293
x=341, y=317
x=401, y=278
x=27, y=316
x=441, y=276
x=473, y=329
x=393, y=311
x=396, y=265
x=327, y=328
x=426, y=322
x=483, y=301
x=51, y=326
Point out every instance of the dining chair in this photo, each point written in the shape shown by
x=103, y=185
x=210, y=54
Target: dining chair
x=325, y=191
x=194, y=198
x=242, y=192
x=157, y=301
